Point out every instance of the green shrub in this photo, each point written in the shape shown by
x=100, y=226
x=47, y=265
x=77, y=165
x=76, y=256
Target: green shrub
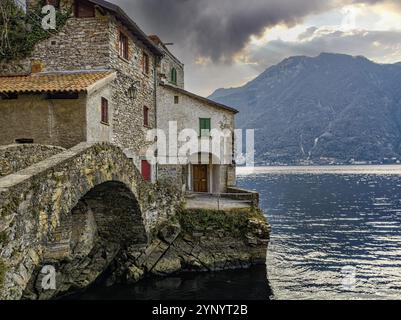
x=20, y=32
x=234, y=221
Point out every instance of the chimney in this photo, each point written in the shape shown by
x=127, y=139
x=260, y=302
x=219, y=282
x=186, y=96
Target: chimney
x=37, y=66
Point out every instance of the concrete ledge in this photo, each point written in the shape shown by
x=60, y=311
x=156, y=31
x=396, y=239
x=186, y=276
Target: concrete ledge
x=244, y=194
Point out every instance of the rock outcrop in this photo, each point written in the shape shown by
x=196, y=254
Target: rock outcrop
x=202, y=241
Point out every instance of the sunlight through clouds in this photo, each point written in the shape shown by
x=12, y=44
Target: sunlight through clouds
x=228, y=42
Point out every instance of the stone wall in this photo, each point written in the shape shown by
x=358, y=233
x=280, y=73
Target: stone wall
x=48, y=122
x=175, y=174
x=231, y=175
x=17, y=67
x=167, y=64
x=128, y=121
x=82, y=44
x=29, y=227
x=16, y=157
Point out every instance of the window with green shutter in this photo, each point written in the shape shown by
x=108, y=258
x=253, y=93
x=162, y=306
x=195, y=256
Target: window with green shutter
x=174, y=76
x=205, y=127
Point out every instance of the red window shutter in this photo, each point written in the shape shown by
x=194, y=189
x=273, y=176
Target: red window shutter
x=146, y=170
x=123, y=46
x=105, y=111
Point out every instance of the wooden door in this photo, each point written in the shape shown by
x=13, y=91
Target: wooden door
x=200, y=178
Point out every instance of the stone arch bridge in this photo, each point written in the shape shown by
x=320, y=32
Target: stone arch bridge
x=76, y=209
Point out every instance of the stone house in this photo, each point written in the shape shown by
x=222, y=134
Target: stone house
x=60, y=109
x=204, y=169
x=114, y=62
x=100, y=78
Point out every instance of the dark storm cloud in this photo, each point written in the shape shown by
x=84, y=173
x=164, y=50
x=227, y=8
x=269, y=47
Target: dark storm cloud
x=218, y=29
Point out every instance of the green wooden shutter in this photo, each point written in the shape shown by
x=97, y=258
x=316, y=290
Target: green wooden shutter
x=174, y=76
x=205, y=126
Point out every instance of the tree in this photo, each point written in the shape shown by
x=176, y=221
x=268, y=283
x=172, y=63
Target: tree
x=20, y=31
x=13, y=28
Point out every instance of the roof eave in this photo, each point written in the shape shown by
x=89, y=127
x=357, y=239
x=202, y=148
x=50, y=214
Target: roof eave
x=203, y=99
x=132, y=26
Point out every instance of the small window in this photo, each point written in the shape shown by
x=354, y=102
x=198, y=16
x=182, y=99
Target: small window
x=105, y=111
x=24, y=141
x=205, y=127
x=8, y=96
x=146, y=116
x=62, y=96
x=84, y=9
x=146, y=170
x=176, y=99
x=145, y=63
x=123, y=46
x=174, y=76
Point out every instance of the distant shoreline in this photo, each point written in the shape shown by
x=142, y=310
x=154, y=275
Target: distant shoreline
x=380, y=169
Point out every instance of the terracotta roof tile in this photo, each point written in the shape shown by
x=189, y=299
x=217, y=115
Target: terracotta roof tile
x=57, y=82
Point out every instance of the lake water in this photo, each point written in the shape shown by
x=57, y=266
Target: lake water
x=227, y=285
x=335, y=235
x=336, y=230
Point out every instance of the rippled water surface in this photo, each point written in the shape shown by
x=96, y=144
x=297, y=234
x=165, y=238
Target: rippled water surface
x=336, y=231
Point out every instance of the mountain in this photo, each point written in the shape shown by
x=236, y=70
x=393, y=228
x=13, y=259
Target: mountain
x=333, y=107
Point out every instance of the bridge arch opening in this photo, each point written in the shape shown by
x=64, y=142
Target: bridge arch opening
x=105, y=222
x=110, y=214
x=116, y=212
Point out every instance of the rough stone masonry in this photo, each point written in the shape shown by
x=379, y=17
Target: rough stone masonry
x=87, y=209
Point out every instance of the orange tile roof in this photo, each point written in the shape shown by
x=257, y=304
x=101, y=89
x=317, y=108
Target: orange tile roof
x=56, y=82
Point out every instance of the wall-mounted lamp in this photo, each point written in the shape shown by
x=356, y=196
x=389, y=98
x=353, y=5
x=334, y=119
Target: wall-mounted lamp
x=133, y=90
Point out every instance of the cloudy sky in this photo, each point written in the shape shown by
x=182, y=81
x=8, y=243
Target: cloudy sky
x=226, y=43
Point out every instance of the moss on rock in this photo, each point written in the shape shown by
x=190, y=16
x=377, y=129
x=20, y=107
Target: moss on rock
x=3, y=270
x=3, y=238
x=234, y=221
